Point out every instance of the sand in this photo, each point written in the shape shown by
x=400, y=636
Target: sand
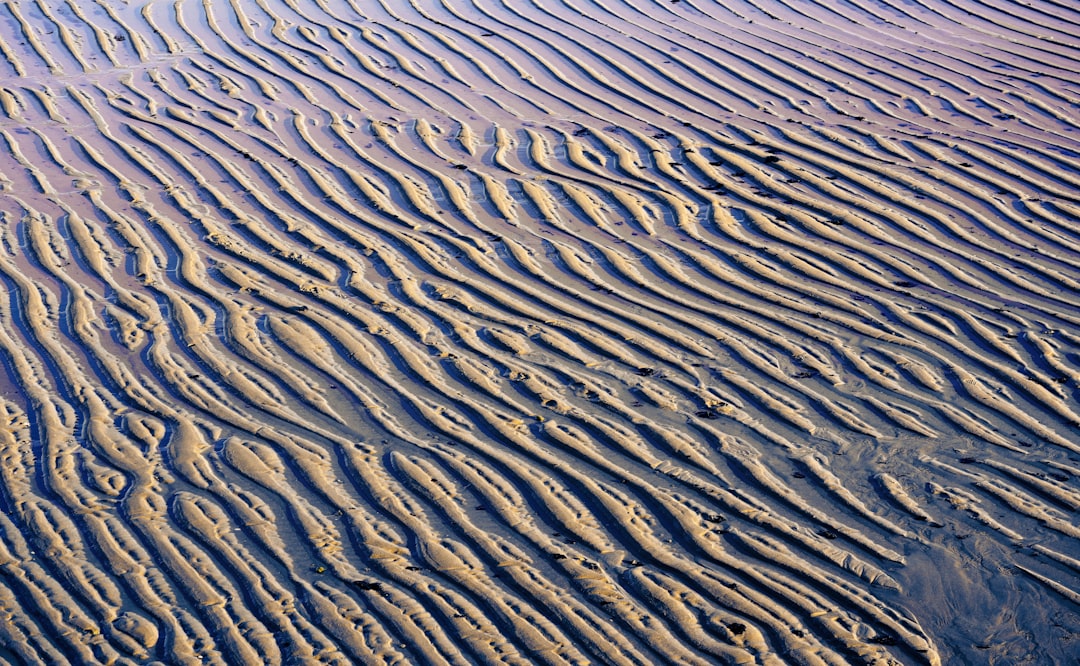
x=595, y=331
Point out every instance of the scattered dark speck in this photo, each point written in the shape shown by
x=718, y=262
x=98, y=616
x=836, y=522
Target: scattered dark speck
x=364, y=585
x=827, y=534
x=706, y=414
x=969, y=461
x=883, y=639
x=906, y=284
x=737, y=628
x=798, y=475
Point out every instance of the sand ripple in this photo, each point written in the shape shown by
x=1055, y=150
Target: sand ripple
x=590, y=331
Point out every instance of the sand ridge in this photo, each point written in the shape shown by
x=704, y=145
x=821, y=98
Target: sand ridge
x=463, y=332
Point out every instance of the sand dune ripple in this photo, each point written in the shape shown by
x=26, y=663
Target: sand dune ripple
x=449, y=331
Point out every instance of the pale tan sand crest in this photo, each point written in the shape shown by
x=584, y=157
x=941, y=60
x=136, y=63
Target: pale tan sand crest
x=454, y=332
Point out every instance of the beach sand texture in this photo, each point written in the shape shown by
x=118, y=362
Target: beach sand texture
x=582, y=331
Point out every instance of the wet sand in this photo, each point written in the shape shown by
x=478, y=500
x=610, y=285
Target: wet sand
x=343, y=331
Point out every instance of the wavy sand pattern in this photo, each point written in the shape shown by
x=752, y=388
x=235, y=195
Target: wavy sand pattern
x=600, y=331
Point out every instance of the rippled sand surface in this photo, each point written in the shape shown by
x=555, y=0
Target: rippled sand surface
x=583, y=331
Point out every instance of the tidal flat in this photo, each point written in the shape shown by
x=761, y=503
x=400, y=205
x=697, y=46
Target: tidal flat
x=561, y=332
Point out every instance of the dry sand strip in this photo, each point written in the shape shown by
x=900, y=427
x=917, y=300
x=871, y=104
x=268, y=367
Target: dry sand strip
x=593, y=331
